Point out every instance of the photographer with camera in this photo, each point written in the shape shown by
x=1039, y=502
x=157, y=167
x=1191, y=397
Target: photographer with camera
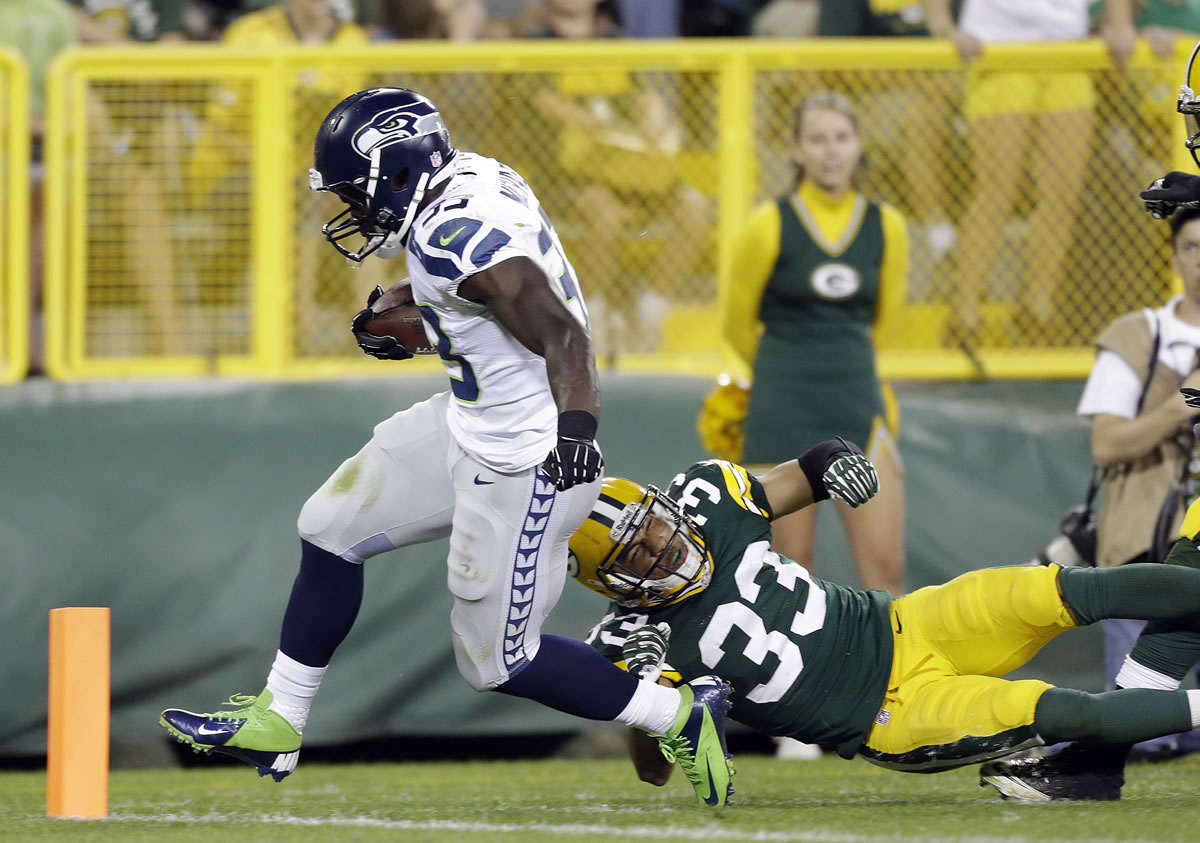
x=1142, y=439
x=1144, y=449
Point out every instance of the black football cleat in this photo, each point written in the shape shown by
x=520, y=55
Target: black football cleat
x=1069, y=775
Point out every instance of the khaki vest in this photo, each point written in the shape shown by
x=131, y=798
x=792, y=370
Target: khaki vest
x=1133, y=493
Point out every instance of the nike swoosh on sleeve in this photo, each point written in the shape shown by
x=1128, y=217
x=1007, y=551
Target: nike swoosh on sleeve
x=446, y=241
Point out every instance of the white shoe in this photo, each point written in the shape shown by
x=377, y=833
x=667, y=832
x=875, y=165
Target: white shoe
x=790, y=749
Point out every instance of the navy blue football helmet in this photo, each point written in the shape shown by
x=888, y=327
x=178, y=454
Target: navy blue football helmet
x=379, y=151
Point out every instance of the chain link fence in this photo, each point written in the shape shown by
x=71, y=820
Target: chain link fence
x=186, y=241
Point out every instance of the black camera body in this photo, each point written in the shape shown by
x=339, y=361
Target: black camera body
x=1076, y=543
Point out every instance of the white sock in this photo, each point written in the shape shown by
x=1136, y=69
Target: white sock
x=1134, y=675
x=653, y=708
x=1193, y=698
x=293, y=686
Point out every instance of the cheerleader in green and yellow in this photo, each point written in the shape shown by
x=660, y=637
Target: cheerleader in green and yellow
x=814, y=275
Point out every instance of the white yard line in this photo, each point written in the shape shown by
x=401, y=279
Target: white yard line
x=696, y=832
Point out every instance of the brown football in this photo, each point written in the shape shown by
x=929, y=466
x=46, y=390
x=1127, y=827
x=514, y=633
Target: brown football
x=397, y=316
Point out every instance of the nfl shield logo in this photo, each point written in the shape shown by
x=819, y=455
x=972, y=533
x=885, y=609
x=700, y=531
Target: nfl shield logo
x=883, y=718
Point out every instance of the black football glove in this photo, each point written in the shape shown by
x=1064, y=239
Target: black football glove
x=645, y=649
x=851, y=478
x=837, y=468
x=1191, y=397
x=1173, y=191
x=385, y=348
x=576, y=458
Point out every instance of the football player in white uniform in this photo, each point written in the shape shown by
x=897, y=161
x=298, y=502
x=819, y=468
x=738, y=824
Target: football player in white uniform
x=504, y=463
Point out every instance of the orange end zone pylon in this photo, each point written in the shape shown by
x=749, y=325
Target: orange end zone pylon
x=77, y=740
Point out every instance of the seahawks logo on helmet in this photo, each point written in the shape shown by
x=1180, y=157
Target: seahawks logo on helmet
x=395, y=125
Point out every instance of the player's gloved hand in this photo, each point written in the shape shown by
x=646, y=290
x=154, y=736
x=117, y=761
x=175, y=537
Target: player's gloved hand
x=1191, y=397
x=645, y=650
x=852, y=479
x=721, y=415
x=576, y=458
x=385, y=348
x=837, y=468
x=1173, y=191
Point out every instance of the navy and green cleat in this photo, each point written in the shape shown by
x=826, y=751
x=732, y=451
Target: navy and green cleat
x=248, y=732
x=697, y=740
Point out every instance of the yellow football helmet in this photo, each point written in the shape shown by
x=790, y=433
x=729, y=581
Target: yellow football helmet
x=599, y=549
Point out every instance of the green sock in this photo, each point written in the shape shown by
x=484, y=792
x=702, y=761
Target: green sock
x=1147, y=591
x=1123, y=716
x=1166, y=646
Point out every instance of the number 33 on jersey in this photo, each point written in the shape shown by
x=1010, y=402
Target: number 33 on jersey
x=765, y=625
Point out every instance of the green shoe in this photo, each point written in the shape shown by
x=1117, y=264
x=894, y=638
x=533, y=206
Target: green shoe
x=697, y=740
x=249, y=732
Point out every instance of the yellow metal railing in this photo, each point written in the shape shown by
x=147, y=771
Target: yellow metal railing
x=14, y=217
x=187, y=243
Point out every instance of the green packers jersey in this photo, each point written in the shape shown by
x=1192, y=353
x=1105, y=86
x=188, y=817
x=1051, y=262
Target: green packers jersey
x=806, y=658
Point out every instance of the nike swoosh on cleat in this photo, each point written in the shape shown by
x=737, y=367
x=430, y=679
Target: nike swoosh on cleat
x=712, y=798
x=445, y=241
x=204, y=730
x=479, y=482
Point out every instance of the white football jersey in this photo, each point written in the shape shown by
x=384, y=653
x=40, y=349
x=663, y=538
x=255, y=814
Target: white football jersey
x=503, y=412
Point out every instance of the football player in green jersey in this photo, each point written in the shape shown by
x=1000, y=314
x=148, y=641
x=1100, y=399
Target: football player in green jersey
x=911, y=683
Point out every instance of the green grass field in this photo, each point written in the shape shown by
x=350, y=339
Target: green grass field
x=594, y=800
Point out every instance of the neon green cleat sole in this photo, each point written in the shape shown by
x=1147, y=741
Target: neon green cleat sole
x=697, y=740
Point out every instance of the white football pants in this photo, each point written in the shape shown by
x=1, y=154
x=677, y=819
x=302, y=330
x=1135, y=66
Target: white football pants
x=412, y=483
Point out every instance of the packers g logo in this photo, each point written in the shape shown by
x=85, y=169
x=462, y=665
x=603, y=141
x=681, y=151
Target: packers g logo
x=836, y=281
x=396, y=125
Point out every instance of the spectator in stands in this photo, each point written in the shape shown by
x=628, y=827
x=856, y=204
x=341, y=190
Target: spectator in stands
x=513, y=18
x=136, y=151
x=1160, y=22
x=223, y=152
x=453, y=20
x=861, y=18
x=786, y=19
x=713, y=18
x=640, y=19
x=37, y=30
x=126, y=21
x=920, y=113
x=1019, y=122
x=618, y=140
